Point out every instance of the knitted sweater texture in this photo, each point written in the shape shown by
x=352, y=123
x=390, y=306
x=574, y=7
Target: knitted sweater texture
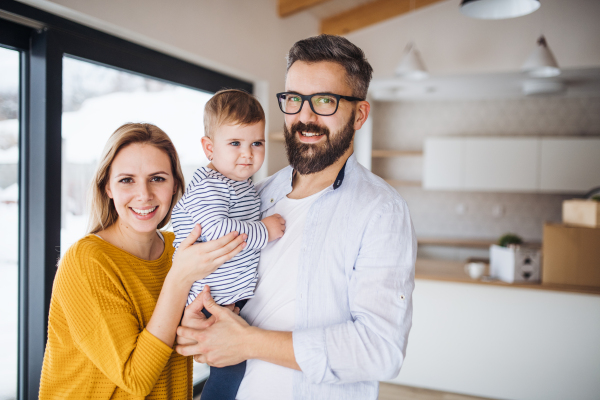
x=98, y=347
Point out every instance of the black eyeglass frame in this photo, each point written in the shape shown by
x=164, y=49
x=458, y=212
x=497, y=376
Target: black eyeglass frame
x=309, y=97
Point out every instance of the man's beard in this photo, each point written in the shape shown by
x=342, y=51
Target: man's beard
x=308, y=158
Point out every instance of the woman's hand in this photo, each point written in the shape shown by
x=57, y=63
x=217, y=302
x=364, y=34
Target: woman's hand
x=221, y=345
x=194, y=261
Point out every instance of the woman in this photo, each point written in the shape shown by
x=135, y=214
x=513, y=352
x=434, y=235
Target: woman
x=118, y=296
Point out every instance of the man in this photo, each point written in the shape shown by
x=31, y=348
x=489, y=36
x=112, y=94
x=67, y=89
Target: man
x=333, y=306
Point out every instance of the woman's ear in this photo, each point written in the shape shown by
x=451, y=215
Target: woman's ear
x=207, y=146
x=108, y=191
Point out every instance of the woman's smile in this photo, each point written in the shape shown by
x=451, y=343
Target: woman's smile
x=144, y=213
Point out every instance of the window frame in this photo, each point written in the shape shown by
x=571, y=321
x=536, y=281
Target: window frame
x=42, y=48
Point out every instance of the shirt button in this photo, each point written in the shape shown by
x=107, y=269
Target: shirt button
x=401, y=297
x=272, y=200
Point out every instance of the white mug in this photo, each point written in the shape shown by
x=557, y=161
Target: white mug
x=475, y=269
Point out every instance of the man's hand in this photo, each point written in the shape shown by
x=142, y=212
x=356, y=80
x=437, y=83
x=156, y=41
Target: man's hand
x=218, y=341
x=193, y=317
x=275, y=226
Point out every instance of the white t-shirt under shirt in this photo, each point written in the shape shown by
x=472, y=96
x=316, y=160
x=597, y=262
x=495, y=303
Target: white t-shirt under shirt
x=273, y=304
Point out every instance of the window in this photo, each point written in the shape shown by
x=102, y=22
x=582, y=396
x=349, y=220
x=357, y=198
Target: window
x=63, y=64
x=96, y=101
x=9, y=212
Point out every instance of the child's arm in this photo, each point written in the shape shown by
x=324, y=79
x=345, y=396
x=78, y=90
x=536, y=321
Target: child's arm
x=208, y=204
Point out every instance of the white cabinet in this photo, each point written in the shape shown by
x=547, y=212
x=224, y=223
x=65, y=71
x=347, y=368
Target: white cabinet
x=512, y=164
x=501, y=164
x=570, y=165
x=443, y=164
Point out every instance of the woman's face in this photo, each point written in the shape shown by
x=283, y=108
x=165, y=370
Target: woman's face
x=141, y=185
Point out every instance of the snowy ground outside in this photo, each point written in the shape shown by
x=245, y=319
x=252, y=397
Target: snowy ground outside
x=8, y=300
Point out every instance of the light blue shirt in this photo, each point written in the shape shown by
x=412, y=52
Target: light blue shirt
x=354, y=287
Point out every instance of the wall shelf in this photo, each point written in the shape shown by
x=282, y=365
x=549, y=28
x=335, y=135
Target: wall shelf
x=469, y=243
x=276, y=137
x=396, y=183
x=395, y=153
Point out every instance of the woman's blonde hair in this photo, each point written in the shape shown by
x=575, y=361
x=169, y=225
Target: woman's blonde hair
x=102, y=209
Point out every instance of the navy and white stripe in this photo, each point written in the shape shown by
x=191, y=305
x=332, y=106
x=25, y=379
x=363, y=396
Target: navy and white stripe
x=221, y=205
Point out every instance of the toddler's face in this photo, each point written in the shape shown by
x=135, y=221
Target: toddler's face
x=237, y=151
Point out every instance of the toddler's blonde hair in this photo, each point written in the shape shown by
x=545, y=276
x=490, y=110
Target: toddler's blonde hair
x=231, y=106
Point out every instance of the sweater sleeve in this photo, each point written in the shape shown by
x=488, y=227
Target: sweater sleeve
x=208, y=204
x=103, y=323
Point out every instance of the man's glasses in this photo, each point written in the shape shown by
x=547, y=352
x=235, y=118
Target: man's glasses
x=324, y=104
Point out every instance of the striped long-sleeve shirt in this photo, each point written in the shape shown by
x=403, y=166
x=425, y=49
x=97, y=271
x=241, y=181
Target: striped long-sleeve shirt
x=221, y=205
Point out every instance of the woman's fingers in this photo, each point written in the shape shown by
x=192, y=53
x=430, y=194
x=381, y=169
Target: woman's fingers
x=192, y=237
x=228, y=256
x=229, y=247
x=220, y=242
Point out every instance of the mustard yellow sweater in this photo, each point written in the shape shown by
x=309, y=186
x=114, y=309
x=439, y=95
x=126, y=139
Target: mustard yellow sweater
x=98, y=347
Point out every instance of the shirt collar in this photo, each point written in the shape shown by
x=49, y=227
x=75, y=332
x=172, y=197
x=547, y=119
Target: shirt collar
x=340, y=176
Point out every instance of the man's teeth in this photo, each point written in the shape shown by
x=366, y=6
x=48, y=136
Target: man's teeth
x=143, y=212
x=310, y=134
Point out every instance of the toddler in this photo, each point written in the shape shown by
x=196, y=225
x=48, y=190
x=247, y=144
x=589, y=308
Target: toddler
x=221, y=198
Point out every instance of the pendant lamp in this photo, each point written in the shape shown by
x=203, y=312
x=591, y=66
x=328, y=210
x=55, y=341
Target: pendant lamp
x=411, y=66
x=498, y=9
x=541, y=62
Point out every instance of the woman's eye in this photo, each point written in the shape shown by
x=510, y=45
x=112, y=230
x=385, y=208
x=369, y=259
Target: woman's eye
x=157, y=179
x=235, y=143
x=126, y=180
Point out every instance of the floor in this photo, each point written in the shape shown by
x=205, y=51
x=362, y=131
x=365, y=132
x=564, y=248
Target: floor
x=388, y=391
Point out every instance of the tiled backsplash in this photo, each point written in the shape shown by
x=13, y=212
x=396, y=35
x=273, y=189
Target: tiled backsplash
x=405, y=125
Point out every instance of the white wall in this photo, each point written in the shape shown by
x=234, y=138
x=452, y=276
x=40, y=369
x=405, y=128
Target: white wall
x=246, y=39
x=505, y=343
x=451, y=43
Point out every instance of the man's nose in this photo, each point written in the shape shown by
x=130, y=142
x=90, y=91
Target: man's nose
x=306, y=113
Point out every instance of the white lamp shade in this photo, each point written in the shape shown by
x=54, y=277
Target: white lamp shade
x=498, y=9
x=411, y=66
x=541, y=62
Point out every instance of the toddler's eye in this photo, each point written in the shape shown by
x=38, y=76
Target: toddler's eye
x=257, y=144
x=236, y=143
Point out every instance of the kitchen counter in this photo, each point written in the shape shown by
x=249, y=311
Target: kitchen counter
x=453, y=271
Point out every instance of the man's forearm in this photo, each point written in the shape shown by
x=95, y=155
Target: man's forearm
x=274, y=347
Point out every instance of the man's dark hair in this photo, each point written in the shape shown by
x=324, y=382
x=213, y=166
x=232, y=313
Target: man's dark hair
x=339, y=50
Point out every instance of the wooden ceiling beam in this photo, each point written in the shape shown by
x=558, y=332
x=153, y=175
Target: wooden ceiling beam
x=369, y=14
x=289, y=7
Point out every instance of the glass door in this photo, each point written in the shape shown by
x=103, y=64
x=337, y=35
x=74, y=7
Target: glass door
x=9, y=217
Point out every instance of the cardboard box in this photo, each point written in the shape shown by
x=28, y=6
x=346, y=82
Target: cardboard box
x=571, y=255
x=581, y=213
x=520, y=264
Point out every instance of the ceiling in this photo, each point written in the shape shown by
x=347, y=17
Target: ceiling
x=338, y=17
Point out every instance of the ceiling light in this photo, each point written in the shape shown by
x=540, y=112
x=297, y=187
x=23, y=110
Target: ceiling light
x=541, y=62
x=498, y=9
x=411, y=66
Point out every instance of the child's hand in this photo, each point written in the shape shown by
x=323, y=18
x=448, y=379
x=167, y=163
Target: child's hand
x=275, y=226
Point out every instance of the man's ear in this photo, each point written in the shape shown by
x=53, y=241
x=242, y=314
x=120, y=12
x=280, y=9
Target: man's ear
x=207, y=146
x=362, y=113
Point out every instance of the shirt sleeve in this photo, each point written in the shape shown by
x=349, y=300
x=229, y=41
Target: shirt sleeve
x=104, y=326
x=208, y=204
x=371, y=346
